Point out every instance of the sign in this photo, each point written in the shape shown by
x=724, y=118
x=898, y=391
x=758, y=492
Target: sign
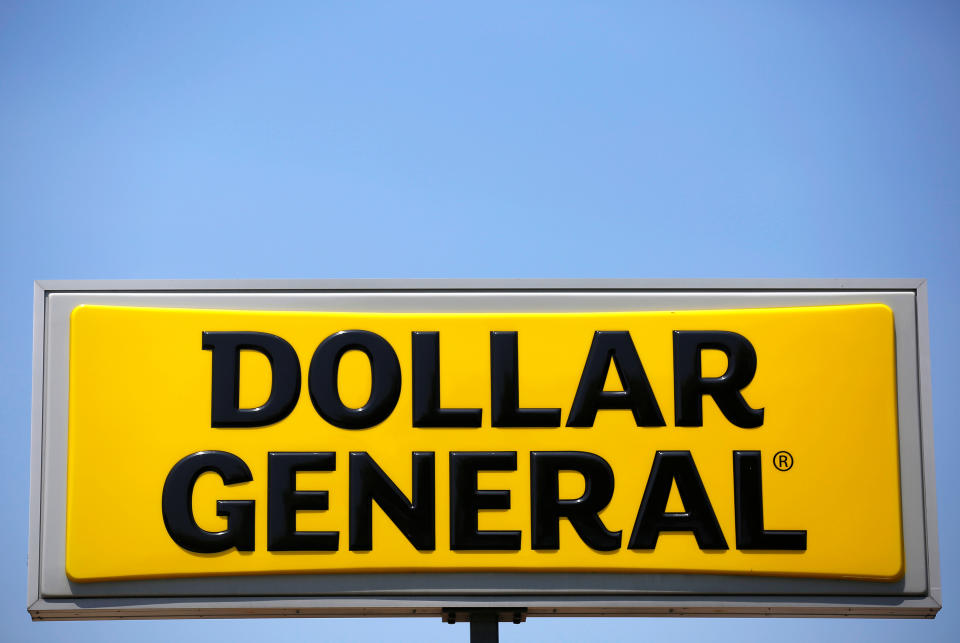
x=385, y=448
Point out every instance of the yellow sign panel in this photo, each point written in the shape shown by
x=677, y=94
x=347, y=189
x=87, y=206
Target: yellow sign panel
x=216, y=442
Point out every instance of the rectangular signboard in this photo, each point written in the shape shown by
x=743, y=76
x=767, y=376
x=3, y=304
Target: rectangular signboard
x=365, y=448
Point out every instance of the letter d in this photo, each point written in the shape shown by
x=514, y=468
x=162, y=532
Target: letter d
x=225, y=411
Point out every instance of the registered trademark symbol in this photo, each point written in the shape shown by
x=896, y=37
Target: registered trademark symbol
x=783, y=460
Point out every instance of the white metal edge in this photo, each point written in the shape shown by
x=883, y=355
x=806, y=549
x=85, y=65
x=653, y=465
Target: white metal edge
x=926, y=427
x=92, y=609
x=461, y=284
x=36, y=444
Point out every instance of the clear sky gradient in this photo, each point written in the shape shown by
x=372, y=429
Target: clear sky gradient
x=561, y=139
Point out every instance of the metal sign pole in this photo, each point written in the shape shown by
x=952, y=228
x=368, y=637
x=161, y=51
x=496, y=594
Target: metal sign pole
x=484, y=628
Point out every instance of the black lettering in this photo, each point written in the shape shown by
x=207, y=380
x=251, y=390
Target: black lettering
x=385, y=376
x=690, y=386
x=284, y=501
x=505, y=387
x=177, y=504
x=225, y=411
x=697, y=515
x=615, y=346
x=368, y=484
x=548, y=508
x=466, y=501
x=426, y=388
x=748, y=501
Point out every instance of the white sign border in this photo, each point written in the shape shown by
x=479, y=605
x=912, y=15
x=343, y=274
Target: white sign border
x=783, y=597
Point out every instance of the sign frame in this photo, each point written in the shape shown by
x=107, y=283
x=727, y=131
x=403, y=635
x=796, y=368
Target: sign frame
x=51, y=596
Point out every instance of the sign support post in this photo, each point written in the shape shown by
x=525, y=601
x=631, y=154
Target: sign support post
x=484, y=628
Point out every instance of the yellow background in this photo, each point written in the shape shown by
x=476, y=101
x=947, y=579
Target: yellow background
x=140, y=387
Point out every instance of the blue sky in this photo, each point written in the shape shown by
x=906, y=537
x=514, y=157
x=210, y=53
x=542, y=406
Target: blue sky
x=817, y=139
